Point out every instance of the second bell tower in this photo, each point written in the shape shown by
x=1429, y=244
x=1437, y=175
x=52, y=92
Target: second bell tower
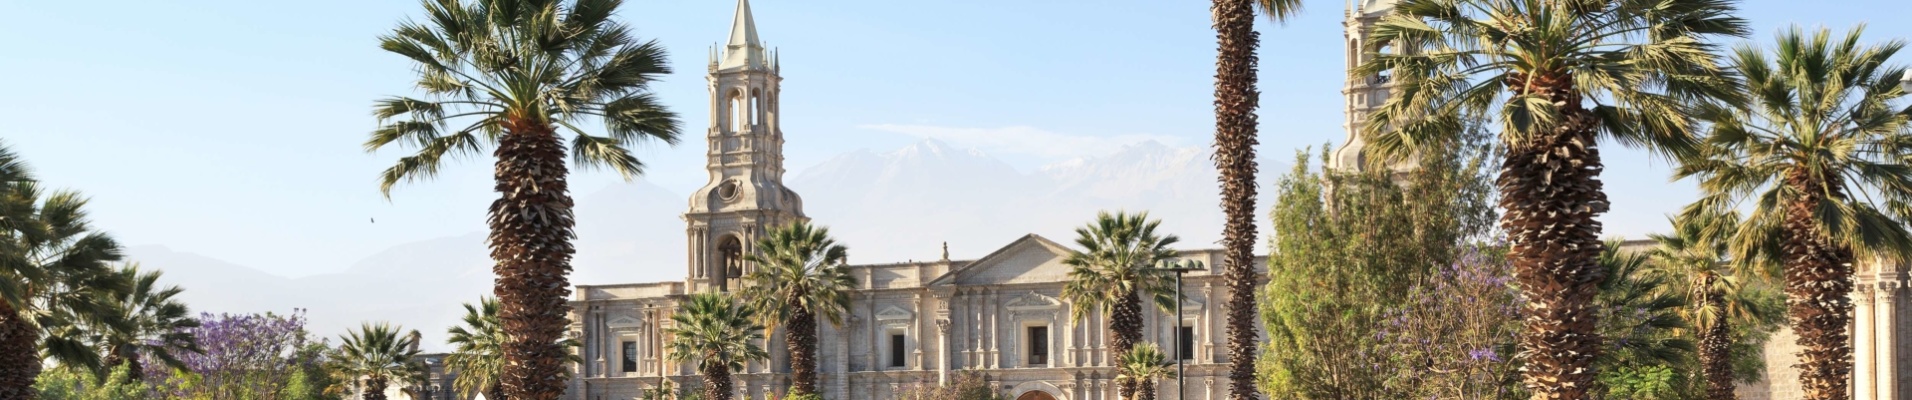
x=745, y=196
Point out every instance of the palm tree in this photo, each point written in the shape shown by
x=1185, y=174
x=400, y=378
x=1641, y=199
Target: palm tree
x=720, y=335
x=478, y=351
x=54, y=277
x=1696, y=254
x=799, y=277
x=1142, y=366
x=375, y=356
x=1117, y=266
x=155, y=324
x=1638, y=317
x=1560, y=76
x=514, y=74
x=477, y=357
x=1814, y=142
x=1235, y=101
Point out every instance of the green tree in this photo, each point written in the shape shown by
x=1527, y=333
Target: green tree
x=1638, y=313
x=375, y=357
x=54, y=279
x=514, y=74
x=1142, y=366
x=1235, y=101
x=477, y=355
x=69, y=384
x=1348, y=248
x=1723, y=301
x=799, y=278
x=1814, y=142
x=155, y=324
x=1119, y=264
x=1560, y=76
x=720, y=335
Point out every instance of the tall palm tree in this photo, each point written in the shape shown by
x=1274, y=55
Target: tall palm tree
x=54, y=279
x=1116, y=267
x=478, y=350
x=1235, y=101
x=799, y=277
x=155, y=324
x=1815, y=143
x=376, y=356
x=515, y=74
x=1560, y=76
x=720, y=335
x=1697, y=256
x=477, y=355
x=1142, y=366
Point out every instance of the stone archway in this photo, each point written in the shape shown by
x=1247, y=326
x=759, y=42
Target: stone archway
x=1035, y=395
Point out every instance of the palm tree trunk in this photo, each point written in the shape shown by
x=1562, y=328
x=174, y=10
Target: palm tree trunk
x=801, y=341
x=531, y=242
x=496, y=391
x=1818, y=282
x=1145, y=389
x=19, y=355
x=1125, y=329
x=1235, y=102
x=1715, y=347
x=716, y=382
x=1550, y=187
x=374, y=389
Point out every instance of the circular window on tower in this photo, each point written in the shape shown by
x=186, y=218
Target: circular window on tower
x=727, y=190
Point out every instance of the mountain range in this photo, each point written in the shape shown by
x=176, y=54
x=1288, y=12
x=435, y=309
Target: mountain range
x=893, y=206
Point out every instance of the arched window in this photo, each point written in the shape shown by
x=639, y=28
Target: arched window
x=756, y=108
x=730, y=257
x=737, y=109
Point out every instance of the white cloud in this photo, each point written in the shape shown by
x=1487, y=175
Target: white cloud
x=1024, y=140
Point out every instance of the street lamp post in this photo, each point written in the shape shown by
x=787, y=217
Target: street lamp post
x=1181, y=380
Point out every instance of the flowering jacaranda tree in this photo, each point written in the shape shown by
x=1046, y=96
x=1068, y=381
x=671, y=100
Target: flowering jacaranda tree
x=1455, y=339
x=249, y=356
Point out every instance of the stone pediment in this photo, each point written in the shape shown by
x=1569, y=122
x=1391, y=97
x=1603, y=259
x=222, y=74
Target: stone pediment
x=1033, y=301
x=893, y=313
x=1030, y=259
x=623, y=322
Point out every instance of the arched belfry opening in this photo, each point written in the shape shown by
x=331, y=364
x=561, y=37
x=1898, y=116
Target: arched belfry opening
x=739, y=120
x=730, y=257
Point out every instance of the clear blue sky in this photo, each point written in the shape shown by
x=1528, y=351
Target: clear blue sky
x=232, y=128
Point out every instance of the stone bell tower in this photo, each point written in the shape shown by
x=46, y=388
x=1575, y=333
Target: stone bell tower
x=1362, y=94
x=745, y=196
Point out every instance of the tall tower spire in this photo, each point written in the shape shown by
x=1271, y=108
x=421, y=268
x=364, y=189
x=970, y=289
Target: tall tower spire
x=1362, y=94
x=746, y=195
x=743, y=50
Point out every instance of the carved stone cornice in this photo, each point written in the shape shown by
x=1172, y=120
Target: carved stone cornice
x=942, y=326
x=1887, y=290
x=1862, y=294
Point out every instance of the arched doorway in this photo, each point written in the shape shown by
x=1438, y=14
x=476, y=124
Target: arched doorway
x=1035, y=395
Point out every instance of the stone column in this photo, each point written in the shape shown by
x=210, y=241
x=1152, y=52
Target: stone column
x=1885, y=354
x=1862, y=314
x=942, y=352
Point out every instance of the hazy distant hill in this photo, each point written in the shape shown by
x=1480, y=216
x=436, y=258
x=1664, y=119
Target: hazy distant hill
x=889, y=206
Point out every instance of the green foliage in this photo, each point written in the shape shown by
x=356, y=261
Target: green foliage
x=68, y=384
x=1347, y=249
x=963, y=385
x=805, y=396
x=1648, y=382
x=715, y=331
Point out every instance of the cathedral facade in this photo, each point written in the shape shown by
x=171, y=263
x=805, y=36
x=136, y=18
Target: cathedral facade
x=1001, y=316
x=909, y=324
